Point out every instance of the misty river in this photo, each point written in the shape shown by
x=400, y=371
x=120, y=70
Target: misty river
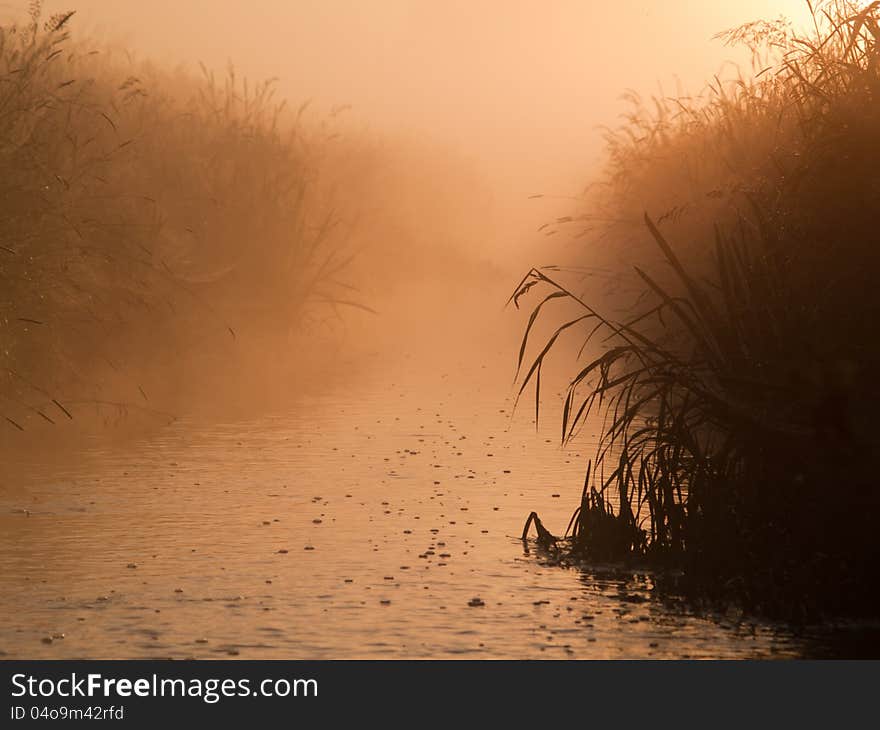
x=379, y=518
x=267, y=273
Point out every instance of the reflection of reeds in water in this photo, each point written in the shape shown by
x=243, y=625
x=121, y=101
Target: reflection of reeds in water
x=738, y=408
x=142, y=210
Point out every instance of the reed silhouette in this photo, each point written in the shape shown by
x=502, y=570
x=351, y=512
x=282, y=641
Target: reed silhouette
x=738, y=393
x=148, y=215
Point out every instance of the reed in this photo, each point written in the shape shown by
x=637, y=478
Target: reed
x=146, y=214
x=738, y=395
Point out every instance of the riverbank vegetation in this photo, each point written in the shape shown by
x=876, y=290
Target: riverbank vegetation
x=172, y=237
x=736, y=386
x=148, y=218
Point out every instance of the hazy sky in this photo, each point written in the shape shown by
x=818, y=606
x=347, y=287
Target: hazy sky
x=520, y=85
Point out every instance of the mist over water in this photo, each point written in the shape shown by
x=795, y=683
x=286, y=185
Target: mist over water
x=354, y=485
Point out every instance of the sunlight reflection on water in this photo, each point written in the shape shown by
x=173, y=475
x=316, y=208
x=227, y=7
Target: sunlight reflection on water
x=361, y=525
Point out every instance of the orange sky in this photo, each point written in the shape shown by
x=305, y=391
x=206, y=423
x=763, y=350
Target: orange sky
x=519, y=85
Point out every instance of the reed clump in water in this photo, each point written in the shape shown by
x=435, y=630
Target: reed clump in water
x=739, y=395
x=147, y=218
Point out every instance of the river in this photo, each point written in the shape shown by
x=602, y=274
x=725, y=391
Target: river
x=378, y=517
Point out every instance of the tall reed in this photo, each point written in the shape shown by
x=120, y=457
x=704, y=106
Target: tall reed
x=738, y=406
x=145, y=214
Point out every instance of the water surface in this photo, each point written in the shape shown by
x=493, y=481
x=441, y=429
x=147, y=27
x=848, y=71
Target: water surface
x=378, y=519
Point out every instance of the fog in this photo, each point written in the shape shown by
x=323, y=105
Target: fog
x=470, y=125
x=520, y=87
x=262, y=389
